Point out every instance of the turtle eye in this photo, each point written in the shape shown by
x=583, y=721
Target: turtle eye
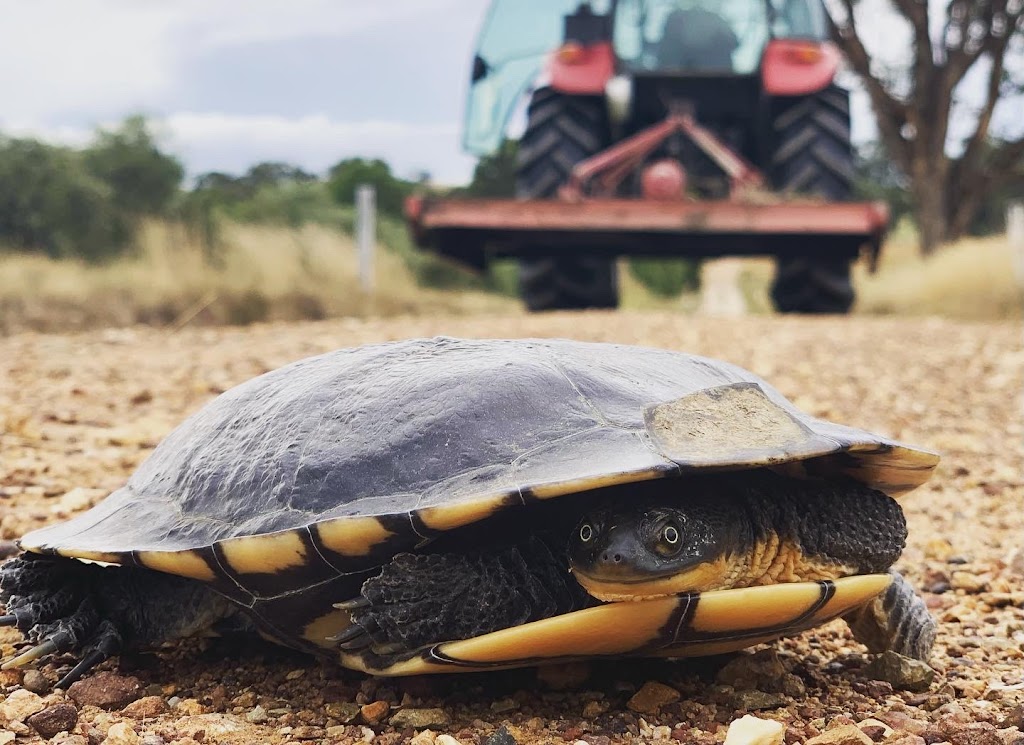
x=670, y=539
x=586, y=532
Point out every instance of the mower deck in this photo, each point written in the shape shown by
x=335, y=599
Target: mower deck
x=470, y=230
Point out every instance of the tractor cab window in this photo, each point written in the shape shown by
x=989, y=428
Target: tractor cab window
x=799, y=19
x=691, y=36
x=516, y=37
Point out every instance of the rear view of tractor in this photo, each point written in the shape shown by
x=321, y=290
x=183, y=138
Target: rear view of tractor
x=661, y=128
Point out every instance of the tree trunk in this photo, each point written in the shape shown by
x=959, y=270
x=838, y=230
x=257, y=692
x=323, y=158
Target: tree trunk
x=929, y=192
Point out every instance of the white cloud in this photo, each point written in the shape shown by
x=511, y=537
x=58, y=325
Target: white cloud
x=90, y=55
x=61, y=56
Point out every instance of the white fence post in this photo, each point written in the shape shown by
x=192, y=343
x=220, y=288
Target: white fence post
x=366, y=233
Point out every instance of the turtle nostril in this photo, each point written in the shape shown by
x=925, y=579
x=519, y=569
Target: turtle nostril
x=618, y=558
x=608, y=558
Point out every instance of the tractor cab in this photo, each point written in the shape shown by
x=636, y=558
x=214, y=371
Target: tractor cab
x=646, y=56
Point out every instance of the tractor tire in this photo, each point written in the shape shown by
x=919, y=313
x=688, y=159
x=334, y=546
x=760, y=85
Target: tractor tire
x=561, y=131
x=813, y=155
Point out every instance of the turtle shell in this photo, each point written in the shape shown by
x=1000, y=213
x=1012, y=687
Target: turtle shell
x=361, y=451
x=285, y=492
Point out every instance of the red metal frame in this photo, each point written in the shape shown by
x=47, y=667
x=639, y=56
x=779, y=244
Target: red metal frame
x=797, y=67
x=601, y=175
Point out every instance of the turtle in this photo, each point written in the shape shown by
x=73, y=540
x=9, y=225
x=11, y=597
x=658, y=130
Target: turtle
x=451, y=505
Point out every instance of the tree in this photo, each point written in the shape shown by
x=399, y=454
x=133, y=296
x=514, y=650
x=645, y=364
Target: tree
x=144, y=179
x=917, y=102
x=49, y=203
x=348, y=174
x=274, y=173
x=495, y=174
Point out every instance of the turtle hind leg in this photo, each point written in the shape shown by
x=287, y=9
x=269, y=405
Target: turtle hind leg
x=66, y=606
x=423, y=599
x=897, y=620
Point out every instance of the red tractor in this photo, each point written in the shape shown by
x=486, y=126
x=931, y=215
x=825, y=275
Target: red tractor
x=661, y=128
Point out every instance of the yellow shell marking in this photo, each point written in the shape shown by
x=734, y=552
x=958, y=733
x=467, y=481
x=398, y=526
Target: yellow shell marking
x=561, y=488
x=447, y=517
x=264, y=554
x=182, y=563
x=352, y=536
x=101, y=556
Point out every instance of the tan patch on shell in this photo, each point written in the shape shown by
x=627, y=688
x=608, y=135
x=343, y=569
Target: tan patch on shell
x=182, y=563
x=264, y=554
x=352, y=536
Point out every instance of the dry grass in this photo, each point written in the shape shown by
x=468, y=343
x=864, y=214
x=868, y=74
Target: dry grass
x=974, y=279
x=263, y=274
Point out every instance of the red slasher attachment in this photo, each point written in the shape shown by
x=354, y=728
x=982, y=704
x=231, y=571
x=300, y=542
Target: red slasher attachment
x=590, y=218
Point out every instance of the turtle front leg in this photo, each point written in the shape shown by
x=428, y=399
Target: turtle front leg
x=897, y=620
x=63, y=605
x=423, y=599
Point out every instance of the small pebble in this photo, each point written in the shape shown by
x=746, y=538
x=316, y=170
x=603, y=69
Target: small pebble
x=53, y=719
x=501, y=736
x=19, y=706
x=446, y=740
x=420, y=718
x=901, y=672
x=106, y=690
x=651, y=697
x=847, y=734
x=146, y=708
x=121, y=734
x=35, y=681
x=258, y=715
x=750, y=730
x=426, y=737
x=343, y=711
x=308, y=732
x=757, y=700
x=375, y=712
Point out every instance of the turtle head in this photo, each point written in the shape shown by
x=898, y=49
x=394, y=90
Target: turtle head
x=631, y=551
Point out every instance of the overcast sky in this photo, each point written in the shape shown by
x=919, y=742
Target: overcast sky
x=236, y=82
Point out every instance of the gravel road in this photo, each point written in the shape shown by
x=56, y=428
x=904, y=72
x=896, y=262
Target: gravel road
x=78, y=413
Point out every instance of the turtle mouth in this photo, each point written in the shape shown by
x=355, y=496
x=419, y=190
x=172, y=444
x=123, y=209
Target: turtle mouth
x=709, y=575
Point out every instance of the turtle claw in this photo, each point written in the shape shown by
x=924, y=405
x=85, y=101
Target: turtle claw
x=88, y=662
x=357, y=602
x=352, y=632
x=40, y=650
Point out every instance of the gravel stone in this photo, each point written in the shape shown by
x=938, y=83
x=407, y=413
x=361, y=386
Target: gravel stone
x=146, y=708
x=258, y=715
x=750, y=730
x=53, y=719
x=501, y=736
x=901, y=672
x=847, y=734
x=122, y=733
x=106, y=690
x=19, y=706
x=757, y=700
x=651, y=697
x=420, y=718
x=374, y=713
x=36, y=682
x=342, y=711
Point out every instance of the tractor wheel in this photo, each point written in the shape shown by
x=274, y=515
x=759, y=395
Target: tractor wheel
x=561, y=131
x=813, y=155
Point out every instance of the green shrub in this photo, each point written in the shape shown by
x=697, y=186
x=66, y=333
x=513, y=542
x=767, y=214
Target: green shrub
x=666, y=277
